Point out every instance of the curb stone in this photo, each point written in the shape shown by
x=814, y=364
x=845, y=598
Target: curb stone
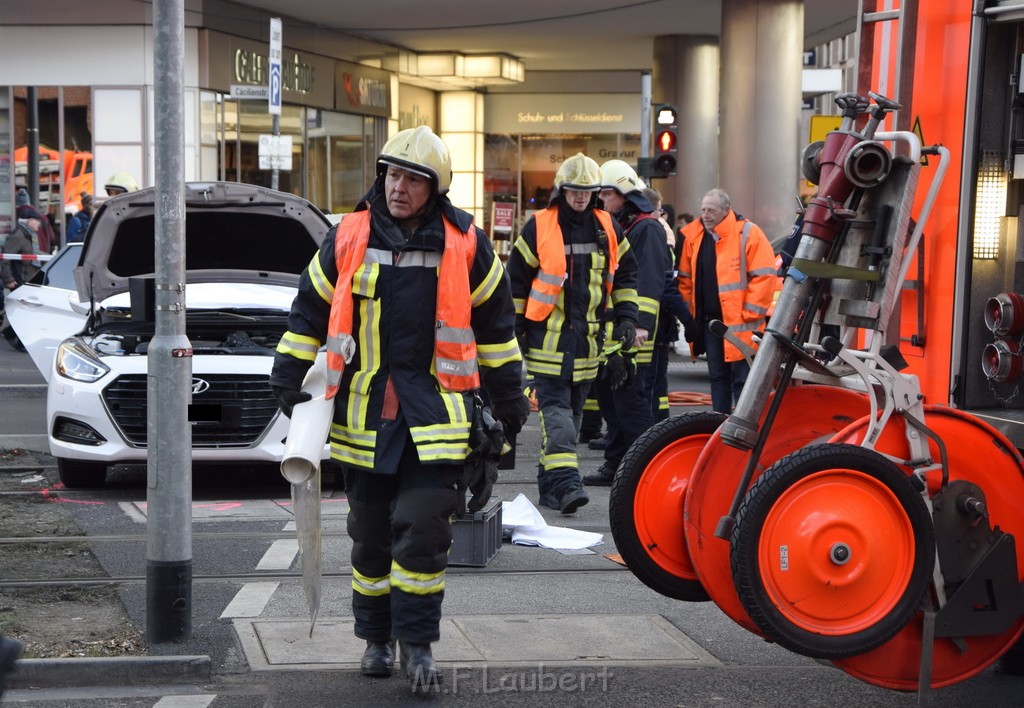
x=112, y=671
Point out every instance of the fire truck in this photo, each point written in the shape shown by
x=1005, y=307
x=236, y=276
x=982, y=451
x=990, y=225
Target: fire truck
x=864, y=502
x=56, y=198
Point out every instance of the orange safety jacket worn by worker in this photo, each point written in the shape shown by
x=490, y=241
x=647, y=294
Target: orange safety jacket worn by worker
x=746, y=271
x=455, y=355
x=551, y=252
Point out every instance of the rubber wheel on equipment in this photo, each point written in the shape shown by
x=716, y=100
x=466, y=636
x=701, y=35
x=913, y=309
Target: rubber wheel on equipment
x=809, y=414
x=832, y=551
x=980, y=454
x=646, y=503
x=76, y=473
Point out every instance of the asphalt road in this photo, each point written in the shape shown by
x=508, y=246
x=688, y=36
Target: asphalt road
x=238, y=513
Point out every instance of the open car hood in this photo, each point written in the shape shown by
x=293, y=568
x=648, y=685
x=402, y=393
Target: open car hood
x=234, y=233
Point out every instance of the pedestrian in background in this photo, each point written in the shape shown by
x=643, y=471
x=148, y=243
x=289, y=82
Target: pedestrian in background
x=727, y=272
x=79, y=223
x=415, y=309
x=569, y=267
x=627, y=407
x=42, y=229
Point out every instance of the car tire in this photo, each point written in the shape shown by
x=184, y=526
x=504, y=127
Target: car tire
x=75, y=473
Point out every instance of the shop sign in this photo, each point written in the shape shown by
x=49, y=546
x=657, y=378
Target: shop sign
x=562, y=113
x=503, y=218
x=234, y=61
x=362, y=89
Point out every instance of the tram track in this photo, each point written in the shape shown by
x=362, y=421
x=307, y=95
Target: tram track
x=29, y=583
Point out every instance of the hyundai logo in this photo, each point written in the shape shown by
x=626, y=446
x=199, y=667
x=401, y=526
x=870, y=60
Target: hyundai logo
x=199, y=386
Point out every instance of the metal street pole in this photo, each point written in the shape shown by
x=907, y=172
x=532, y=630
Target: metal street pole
x=275, y=172
x=275, y=88
x=32, y=140
x=169, y=438
x=644, y=166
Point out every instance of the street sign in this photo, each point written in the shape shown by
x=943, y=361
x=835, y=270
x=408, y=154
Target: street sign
x=274, y=90
x=275, y=152
x=249, y=91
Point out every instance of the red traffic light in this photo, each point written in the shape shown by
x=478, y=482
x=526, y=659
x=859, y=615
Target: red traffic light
x=666, y=140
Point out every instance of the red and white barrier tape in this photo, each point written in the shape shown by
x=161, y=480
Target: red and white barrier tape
x=25, y=256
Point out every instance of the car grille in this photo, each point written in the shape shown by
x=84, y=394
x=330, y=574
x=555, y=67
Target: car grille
x=233, y=412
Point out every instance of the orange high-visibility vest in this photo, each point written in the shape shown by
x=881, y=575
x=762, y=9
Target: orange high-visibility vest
x=551, y=254
x=454, y=342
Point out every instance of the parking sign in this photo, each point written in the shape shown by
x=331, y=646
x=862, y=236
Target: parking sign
x=274, y=92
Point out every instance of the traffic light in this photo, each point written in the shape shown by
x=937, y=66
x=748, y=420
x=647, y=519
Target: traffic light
x=666, y=137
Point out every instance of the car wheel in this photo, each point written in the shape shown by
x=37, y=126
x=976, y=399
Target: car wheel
x=75, y=473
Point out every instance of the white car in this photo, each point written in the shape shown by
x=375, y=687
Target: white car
x=246, y=247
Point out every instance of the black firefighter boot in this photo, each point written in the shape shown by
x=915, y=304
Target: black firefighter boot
x=378, y=659
x=420, y=669
x=604, y=476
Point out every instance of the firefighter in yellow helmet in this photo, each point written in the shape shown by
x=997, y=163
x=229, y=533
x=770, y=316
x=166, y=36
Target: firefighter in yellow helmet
x=119, y=183
x=568, y=267
x=415, y=311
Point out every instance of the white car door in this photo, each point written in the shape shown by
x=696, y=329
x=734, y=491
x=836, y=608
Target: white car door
x=47, y=310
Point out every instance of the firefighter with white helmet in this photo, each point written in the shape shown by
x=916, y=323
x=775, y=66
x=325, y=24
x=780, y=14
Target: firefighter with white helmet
x=569, y=265
x=119, y=183
x=627, y=408
x=414, y=308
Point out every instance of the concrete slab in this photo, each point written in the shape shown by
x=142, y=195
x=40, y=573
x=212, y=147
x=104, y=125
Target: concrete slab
x=487, y=640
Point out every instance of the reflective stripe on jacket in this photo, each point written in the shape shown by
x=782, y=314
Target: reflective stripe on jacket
x=547, y=284
x=455, y=354
x=745, y=267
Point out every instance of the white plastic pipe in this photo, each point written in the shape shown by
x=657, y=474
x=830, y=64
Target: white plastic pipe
x=310, y=424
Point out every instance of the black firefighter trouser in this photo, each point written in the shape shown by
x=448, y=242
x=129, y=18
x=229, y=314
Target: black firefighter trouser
x=628, y=412
x=401, y=533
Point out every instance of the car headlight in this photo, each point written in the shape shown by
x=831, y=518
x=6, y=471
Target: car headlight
x=77, y=361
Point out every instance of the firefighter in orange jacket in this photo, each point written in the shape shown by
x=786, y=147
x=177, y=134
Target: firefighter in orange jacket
x=569, y=265
x=727, y=272
x=416, y=313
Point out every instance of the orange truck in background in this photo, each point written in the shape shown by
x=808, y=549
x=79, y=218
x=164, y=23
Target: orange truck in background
x=78, y=178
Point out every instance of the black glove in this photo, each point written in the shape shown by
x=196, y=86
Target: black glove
x=625, y=332
x=690, y=330
x=480, y=471
x=512, y=414
x=287, y=398
x=618, y=371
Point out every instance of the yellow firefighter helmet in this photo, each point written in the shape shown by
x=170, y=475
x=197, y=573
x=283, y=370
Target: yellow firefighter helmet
x=419, y=150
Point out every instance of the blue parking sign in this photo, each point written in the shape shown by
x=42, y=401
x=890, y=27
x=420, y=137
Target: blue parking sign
x=274, y=96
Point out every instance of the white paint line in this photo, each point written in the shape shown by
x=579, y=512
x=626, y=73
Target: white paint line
x=132, y=512
x=280, y=555
x=290, y=526
x=200, y=701
x=250, y=600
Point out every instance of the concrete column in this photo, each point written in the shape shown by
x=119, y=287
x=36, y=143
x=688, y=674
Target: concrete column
x=761, y=55
x=686, y=75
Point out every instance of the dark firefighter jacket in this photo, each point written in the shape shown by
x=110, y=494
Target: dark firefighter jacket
x=646, y=238
x=567, y=344
x=393, y=326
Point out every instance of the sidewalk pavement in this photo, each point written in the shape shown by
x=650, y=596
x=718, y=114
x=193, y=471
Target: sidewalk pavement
x=581, y=600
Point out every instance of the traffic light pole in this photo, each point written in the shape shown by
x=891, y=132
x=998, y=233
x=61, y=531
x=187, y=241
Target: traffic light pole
x=644, y=163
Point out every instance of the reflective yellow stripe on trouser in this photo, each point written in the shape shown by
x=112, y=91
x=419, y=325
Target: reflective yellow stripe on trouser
x=371, y=587
x=416, y=583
